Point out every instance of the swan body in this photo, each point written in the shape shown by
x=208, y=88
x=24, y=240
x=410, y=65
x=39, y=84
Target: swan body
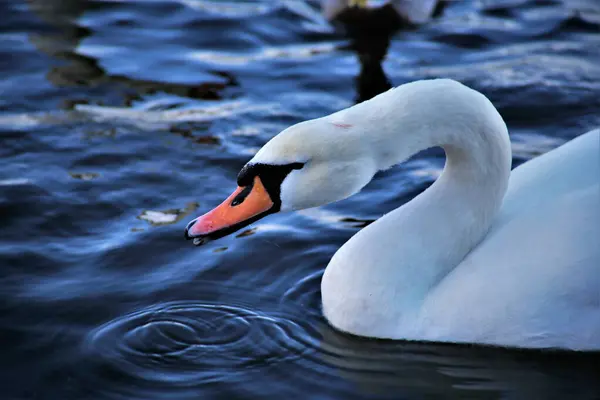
x=483, y=256
x=532, y=282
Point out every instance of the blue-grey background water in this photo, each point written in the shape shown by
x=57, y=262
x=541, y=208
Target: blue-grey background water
x=122, y=120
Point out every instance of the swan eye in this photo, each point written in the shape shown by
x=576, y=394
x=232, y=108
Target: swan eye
x=239, y=199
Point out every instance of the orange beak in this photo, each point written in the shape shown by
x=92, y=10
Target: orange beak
x=244, y=206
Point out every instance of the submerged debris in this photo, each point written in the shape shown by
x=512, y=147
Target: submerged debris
x=167, y=217
x=84, y=176
x=247, y=232
x=357, y=222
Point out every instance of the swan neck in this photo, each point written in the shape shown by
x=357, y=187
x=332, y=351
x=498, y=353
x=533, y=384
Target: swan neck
x=460, y=206
x=401, y=257
x=457, y=210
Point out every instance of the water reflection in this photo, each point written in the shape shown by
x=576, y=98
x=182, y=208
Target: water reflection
x=77, y=69
x=370, y=31
x=388, y=368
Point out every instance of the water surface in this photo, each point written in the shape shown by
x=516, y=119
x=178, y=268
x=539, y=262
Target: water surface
x=120, y=121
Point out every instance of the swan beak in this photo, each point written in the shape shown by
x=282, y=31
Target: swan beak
x=245, y=205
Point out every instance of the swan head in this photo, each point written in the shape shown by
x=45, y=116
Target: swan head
x=309, y=164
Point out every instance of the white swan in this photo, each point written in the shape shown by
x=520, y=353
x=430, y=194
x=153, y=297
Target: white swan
x=483, y=256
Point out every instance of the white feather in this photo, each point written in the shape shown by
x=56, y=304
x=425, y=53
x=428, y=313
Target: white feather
x=484, y=255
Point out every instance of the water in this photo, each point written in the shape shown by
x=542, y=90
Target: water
x=120, y=121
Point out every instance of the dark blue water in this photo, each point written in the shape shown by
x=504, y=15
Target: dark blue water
x=121, y=121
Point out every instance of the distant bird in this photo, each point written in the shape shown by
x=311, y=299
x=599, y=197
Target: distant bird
x=413, y=11
x=370, y=29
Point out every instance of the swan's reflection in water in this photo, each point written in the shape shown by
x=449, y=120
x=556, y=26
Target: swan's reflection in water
x=220, y=349
x=391, y=369
x=370, y=31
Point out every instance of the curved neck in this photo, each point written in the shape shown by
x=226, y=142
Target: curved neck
x=406, y=252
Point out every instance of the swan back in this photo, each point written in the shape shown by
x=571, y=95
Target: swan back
x=534, y=281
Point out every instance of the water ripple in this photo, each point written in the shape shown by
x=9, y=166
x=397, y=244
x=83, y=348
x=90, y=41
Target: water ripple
x=190, y=343
x=121, y=118
x=306, y=293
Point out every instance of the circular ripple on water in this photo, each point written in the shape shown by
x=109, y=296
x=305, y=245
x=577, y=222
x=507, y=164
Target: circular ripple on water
x=190, y=343
x=306, y=294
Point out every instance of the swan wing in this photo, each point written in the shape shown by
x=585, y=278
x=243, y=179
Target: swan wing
x=534, y=281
